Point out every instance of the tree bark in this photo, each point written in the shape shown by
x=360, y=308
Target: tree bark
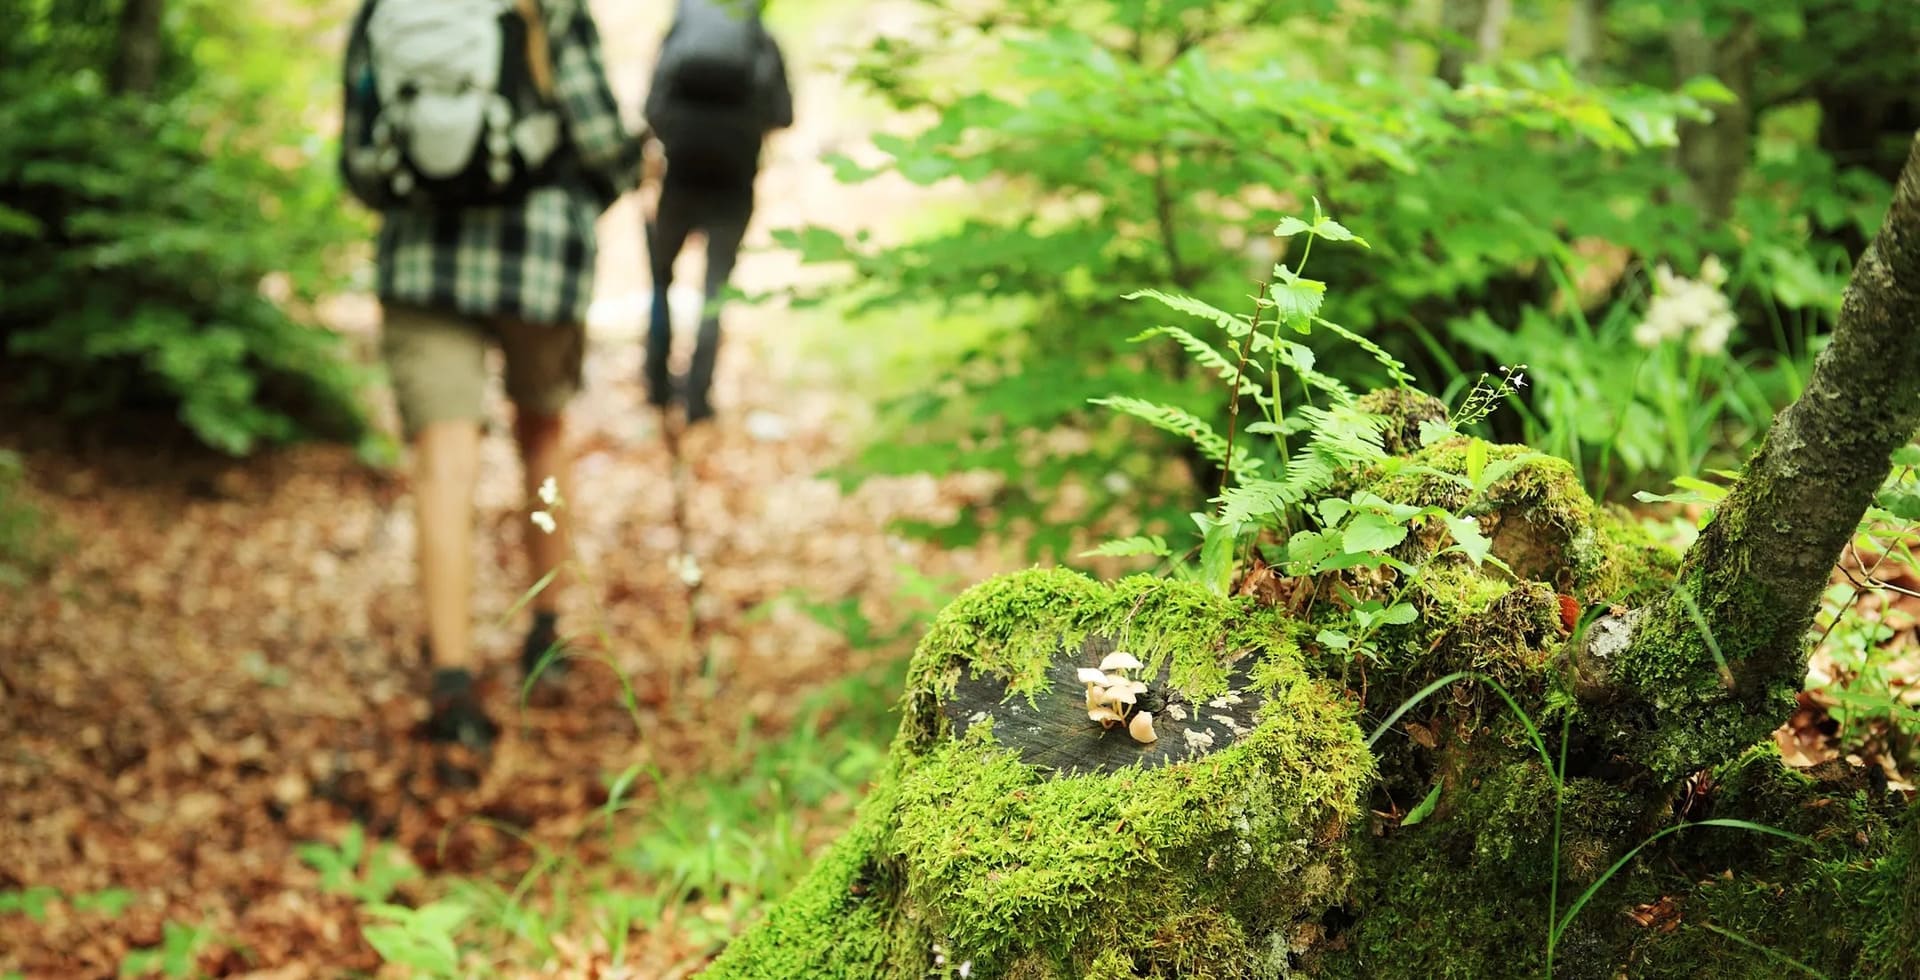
x=1583, y=35
x=1482, y=24
x=1715, y=154
x=1756, y=573
x=139, y=48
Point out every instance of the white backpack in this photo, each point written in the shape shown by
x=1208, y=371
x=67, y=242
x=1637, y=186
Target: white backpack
x=463, y=110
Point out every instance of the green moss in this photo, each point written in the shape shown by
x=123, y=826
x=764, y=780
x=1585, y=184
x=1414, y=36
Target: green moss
x=1183, y=870
x=1012, y=626
x=1697, y=719
x=845, y=919
x=1744, y=901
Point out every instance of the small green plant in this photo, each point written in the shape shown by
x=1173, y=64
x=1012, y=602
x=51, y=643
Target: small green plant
x=177, y=956
x=31, y=901
x=1276, y=469
x=351, y=868
x=421, y=938
x=34, y=901
x=1558, y=921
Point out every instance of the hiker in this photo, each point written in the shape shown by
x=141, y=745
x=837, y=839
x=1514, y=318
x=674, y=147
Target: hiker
x=719, y=87
x=486, y=135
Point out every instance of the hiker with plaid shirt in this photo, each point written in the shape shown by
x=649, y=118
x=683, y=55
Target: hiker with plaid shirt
x=512, y=267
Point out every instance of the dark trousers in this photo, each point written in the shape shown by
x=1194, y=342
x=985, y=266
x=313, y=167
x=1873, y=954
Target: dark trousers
x=721, y=213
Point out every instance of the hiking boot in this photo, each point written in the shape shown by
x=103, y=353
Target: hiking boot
x=457, y=717
x=542, y=639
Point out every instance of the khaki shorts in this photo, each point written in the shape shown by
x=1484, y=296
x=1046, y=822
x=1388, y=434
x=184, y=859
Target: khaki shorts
x=438, y=364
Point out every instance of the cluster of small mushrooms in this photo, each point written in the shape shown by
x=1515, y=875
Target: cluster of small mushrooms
x=1111, y=694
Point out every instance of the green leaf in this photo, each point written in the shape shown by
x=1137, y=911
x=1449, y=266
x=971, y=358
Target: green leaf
x=1297, y=301
x=1258, y=500
x=1334, y=640
x=1216, y=556
x=1400, y=614
x=1369, y=532
x=1905, y=506
x=1209, y=357
x=111, y=901
x=1476, y=460
x=1334, y=231
x=1907, y=456
x=19, y=224
x=1333, y=510
x=1425, y=809
x=1133, y=547
x=1309, y=548
x=1434, y=431
x=1290, y=226
x=1466, y=533
x=33, y=901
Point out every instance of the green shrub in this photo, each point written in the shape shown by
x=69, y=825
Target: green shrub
x=138, y=233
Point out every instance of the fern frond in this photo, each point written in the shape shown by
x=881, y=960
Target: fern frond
x=1395, y=370
x=1134, y=547
x=1262, y=501
x=1236, y=326
x=1207, y=356
x=1180, y=422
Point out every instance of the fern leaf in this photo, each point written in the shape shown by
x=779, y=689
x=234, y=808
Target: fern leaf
x=1133, y=547
x=1395, y=370
x=1180, y=422
x=1258, y=501
x=1236, y=326
x=1207, y=356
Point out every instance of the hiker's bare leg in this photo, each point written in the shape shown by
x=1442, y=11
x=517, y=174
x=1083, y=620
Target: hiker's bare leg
x=543, y=455
x=446, y=458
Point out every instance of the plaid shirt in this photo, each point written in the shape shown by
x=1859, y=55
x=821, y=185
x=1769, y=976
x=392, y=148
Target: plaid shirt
x=532, y=260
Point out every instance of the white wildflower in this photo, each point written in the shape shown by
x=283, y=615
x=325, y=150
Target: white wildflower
x=1693, y=309
x=687, y=567
x=550, y=492
x=544, y=521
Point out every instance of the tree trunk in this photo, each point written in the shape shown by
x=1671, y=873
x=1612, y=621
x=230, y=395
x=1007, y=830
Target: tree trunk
x=1583, y=35
x=138, y=49
x=1471, y=31
x=1715, y=154
x=1754, y=577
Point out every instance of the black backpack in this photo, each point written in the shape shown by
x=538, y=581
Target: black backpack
x=714, y=89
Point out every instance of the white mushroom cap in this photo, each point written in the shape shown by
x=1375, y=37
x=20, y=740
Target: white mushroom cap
x=1106, y=716
x=1089, y=675
x=1120, y=660
x=1141, y=728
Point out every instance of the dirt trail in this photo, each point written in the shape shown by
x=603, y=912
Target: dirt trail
x=223, y=663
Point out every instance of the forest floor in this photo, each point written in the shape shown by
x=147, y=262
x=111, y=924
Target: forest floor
x=221, y=668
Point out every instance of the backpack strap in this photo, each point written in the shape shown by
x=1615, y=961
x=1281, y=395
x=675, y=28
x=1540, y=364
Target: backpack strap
x=539, y=48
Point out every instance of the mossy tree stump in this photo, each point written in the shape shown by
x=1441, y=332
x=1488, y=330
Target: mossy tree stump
x=1011, y=834
x=1015, y=836
x=1007, y=838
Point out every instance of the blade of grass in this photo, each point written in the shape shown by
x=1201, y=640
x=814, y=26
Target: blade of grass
x=1625, y=859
